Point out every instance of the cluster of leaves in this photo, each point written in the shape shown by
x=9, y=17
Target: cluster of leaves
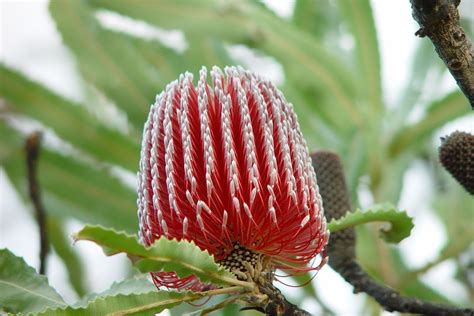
x=23, y=291
x=336, y=92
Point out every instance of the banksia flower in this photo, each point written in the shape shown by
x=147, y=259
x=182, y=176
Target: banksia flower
x=456, y=154
x=225, y=165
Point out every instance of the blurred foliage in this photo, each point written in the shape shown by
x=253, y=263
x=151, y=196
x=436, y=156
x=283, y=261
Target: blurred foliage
x=337, y=93
x=22, y=289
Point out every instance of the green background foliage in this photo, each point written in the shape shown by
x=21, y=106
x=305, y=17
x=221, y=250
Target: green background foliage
x=337, y=94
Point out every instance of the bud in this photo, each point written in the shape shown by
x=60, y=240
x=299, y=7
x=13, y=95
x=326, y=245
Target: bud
x=456, y=154
x=225, y=165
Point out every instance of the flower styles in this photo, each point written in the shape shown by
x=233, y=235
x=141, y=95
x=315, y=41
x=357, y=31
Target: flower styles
x=225, y=165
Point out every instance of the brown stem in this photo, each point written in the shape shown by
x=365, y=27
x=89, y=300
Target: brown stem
x=278, y=305
x=341, y=247
x=32, y=152
x=265, y=297
x=439, y=20
x=273, y=302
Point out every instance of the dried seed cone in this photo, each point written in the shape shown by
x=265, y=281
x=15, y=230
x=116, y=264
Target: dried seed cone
x=336, y=202
x=225, y=165
x=456, y=154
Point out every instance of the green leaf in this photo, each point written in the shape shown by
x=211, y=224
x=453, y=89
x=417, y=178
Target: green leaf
x=319, y=18
x=317, y=132
x=22, y=290
x=205, y=51
x=360, y=22
x=385, y=264
x=440, y=112
x=452, y=206
x=305, y=61
x=426, y=70
x=391, y=178
x=69, y=120
x=149, y=303
x=61, y=243
x=139, y=68
x=107, y=61
x=401, y=223
x=355, y=155
x=182, y=257
x=69, y=187
x=136, y=285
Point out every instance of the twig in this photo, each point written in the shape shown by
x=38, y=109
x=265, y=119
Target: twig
x=341, y=247
x=439, y=20
x=32, y=153
x=390, y=299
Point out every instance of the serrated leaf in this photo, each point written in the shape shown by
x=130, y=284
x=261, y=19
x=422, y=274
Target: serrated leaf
x=136, y=285
x=68, y=120
x=401, y=223
x=22, y=290
x=149, y=303
x=182, y=257
x=69, y=187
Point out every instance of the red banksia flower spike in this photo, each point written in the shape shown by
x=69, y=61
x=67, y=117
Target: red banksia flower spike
x=225, y=165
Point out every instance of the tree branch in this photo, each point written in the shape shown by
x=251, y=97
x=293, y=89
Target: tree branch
x=439, y=20
x=341, y=247
x=32, y=152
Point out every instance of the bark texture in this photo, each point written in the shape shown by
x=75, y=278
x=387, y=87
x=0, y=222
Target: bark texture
x=439, y=21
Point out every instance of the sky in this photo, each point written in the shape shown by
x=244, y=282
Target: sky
x=30, y=43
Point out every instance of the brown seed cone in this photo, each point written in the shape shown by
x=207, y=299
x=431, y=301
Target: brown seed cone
x=336, y=203
x=456, y=154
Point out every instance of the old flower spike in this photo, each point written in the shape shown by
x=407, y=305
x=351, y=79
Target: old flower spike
x=225, y=165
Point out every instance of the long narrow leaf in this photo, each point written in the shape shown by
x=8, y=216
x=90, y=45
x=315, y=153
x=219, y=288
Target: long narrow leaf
x=69, y=120
x=306, y=62
x=360, y=21
x=108, y=61
x=69, y=187
x=440, y=112
x=426, y=69
x=319, y=18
